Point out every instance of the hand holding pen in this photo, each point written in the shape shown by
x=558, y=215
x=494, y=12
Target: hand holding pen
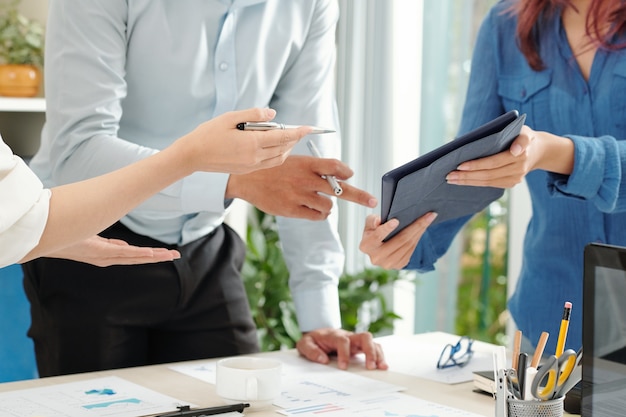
x=332, y=181
x=217, y=146
x=295, y=189
x=264, y=126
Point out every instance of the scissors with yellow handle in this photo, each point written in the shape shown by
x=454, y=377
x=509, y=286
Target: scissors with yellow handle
x=553, y=377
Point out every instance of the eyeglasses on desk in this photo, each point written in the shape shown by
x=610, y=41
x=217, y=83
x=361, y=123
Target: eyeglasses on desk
x=456, y=355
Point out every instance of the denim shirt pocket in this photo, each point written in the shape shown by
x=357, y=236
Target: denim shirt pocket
x=527, y=93
x=617, y=101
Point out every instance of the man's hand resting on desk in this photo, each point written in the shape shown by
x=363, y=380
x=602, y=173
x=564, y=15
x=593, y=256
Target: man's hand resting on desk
x=316, y=346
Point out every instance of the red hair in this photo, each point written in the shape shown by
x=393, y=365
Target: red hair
x=531, y=14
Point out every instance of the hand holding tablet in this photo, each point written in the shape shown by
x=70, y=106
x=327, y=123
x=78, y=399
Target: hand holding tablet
x=420, y=186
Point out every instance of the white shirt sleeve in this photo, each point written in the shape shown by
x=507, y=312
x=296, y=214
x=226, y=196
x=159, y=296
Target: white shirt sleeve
x=24, y=205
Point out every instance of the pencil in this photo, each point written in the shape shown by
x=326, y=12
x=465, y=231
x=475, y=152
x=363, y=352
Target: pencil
x=517, y=344
x=541, y=345
x=560, y=344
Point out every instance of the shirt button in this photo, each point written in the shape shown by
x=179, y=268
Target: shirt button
x=223, y=66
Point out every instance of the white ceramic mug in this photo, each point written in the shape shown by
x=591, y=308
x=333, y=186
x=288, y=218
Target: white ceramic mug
x=247, y=379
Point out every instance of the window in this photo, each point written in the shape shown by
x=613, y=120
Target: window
x=403, y=68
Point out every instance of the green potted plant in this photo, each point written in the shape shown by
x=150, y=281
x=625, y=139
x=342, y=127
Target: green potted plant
x=21, y=52
x=266, y=277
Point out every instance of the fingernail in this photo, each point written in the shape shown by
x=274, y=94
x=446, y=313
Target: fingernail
x=321, y=359
x=453, y=176
x=372, y=202
x=463, y=167
x=371, y=365
x=431, y=216
x=516, y=149
x=270, y=112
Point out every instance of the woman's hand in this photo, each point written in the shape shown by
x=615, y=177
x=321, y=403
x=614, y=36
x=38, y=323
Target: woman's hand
x=106, y=252
x=396, y=252
x=503, y=170
x=529, y=151
x=219, y=146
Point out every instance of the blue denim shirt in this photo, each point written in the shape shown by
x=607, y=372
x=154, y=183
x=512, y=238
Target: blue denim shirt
x=568, y=212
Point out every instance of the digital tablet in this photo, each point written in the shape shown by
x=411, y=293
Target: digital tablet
x=420, y=186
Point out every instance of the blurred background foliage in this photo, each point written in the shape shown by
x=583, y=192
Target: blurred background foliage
x=482, y=291
x=362, y=302
x=481, y=308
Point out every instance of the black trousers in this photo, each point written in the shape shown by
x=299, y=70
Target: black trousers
x=87, y=318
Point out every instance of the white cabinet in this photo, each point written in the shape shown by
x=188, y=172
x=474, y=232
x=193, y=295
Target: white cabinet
x=10, y=104
x=21, y=121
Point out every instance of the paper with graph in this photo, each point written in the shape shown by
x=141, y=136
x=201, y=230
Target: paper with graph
x=107, y=396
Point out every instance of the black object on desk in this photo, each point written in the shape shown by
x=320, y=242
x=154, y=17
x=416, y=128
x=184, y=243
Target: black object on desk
x=484, y=381
x=420, y=186
x=603, y=386
x=572, y=400
x=186, y=411
x=522, y=364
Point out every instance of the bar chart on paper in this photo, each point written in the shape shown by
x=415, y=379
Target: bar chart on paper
x=104, y=397
x=311, y=389
x=306, y=383
x=385, y=405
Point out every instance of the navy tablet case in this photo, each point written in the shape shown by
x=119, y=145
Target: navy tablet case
x=419, y=186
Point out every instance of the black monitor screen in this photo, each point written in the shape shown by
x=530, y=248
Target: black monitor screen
x=604, y=332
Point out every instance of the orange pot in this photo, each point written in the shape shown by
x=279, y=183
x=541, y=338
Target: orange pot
x=19, y=80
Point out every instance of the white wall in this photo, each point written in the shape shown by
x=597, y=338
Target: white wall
x=520, y=210
x=34, y=9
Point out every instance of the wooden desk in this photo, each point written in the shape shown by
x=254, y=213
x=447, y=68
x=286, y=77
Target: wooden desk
x=175, y=384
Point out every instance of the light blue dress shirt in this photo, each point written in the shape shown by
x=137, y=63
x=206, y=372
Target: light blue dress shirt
x=126, y=78
x=568, y=212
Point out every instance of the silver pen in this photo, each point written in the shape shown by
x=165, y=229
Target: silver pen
x=332, y=181
x=273, y=126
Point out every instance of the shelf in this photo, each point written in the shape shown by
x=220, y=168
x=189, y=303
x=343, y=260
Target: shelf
x=13, y=104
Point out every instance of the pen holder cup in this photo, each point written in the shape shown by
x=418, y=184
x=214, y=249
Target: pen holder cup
x=534, y=408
